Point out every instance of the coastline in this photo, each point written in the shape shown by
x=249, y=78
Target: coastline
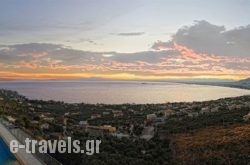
x=152, y=123
x=220, y=84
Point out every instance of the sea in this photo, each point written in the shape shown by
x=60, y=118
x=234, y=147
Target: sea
x=119, y=92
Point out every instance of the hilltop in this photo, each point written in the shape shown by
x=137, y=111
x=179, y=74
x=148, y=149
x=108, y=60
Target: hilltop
x=245, y=82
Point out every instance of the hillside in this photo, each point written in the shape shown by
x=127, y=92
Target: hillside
x=216, y=145
x=245, y=82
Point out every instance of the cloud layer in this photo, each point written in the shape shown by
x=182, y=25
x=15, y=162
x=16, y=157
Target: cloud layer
x=202, y=50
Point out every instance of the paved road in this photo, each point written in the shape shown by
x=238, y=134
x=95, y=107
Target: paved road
x=23, y=157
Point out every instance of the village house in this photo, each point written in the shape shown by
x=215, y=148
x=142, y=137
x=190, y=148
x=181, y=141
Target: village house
x=105, y=113
x=246, y=117
x=100, y=130
x=193, y=114
x=117, y=113
x=151, y=117
x=50, y=119
x=205, y=110
x=44, y=126
x=11, y=119
x=95, y=116
x=34, y=122
x=83, y=123
x=215, y=109
x=61, y=119
x=167, y=113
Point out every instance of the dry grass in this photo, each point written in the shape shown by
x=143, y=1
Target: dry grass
x=211, y=143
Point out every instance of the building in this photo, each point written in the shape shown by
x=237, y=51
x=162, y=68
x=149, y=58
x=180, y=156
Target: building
x=95, y=116
x=105, y=113
x=50, y=119
x=246, y=117
x=61, y=120
x=34, y=122
x=205, y=110
x=100, y=130
x=44, y=126
x=83, y=123
x=11, y=119
x=151, y=117
x=117, y=113
x=193, y=114
x=167, y=113
x=215, y=109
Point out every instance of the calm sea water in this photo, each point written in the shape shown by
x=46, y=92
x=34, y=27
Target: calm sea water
x=120, y=92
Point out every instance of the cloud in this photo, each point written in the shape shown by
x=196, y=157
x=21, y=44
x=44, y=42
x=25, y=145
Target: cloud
x=205, y=37
x=180, y=61
x=129, y=34
x=200, y=50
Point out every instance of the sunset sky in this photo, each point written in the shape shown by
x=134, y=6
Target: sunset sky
x=125, y=40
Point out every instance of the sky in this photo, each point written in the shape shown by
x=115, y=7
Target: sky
x=128, y=40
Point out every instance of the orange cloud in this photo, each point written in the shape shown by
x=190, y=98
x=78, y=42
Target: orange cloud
x=180, y=62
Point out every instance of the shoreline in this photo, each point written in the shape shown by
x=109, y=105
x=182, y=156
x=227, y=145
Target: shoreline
x=227, y=85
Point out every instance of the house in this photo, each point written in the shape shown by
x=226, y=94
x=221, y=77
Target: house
x=11, y=119
x=215, y=109
x=31, y=109
x=193, y=114
x=167, y=113
x=205, y=110
x=61, y=120
x=121, y=135
x=44, y=126
x=39, y=106
x=34, y=122
x=117, y=113
x=100, y=130
x=105, y=113
x=246, y=117
x=151, y=117
x=94, y=116
x=232, y=107
x=83, y=123
x=131, y=110
x=48, y=118
x=159, y=120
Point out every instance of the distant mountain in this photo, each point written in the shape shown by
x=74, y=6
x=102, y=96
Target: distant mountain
x=244, y=83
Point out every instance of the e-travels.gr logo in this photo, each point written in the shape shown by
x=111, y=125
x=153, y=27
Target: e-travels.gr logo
x=51, y=146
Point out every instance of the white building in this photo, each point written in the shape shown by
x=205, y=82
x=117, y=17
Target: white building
x=247, y=117
x=151, y=117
